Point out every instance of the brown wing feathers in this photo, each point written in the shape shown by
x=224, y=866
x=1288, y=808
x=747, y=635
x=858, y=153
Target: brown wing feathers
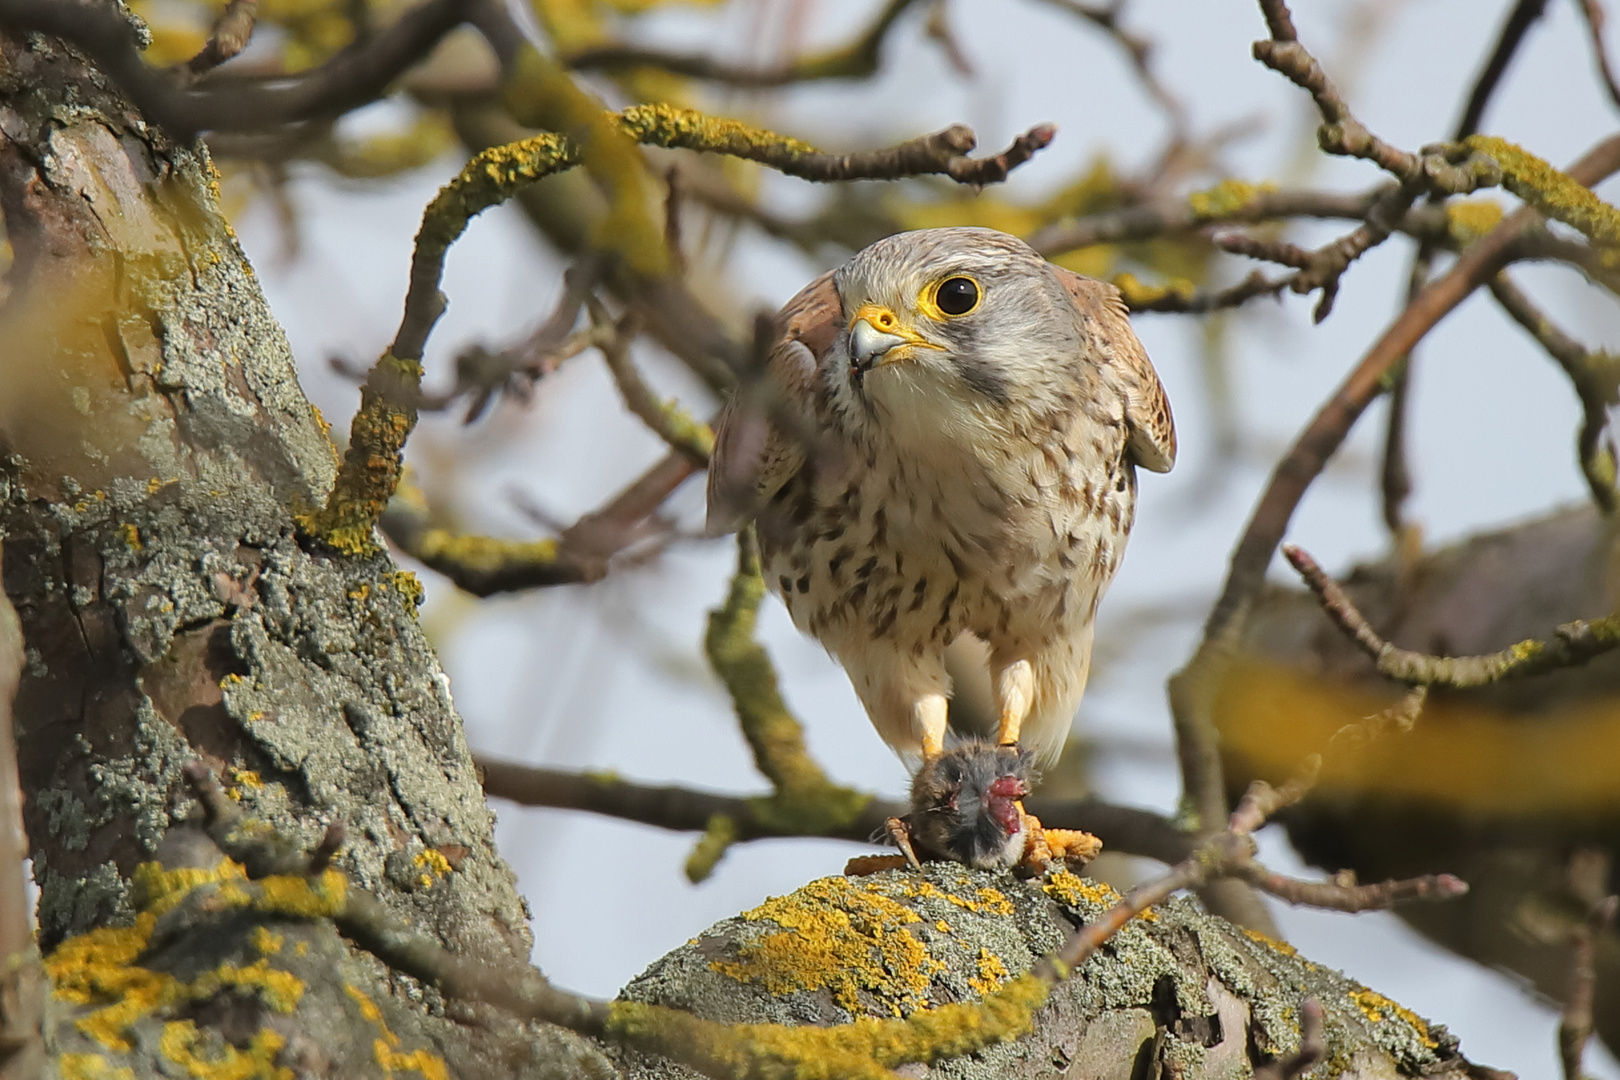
x=1147, y=411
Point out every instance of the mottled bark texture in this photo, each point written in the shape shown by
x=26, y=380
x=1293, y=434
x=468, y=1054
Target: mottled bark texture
x=154, y=447
x=1504, y=785
x=1177, y=992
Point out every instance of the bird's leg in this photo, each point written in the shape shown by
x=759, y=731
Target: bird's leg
x=928, y=716
x=1015, y=693
x=900, y=833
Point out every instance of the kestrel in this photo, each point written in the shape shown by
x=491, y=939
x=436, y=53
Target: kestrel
x=946, y=443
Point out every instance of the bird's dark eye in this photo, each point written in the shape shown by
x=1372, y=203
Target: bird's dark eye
x=957, y=295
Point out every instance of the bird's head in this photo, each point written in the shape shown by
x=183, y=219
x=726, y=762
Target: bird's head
x=946, y=327
x=964, y=805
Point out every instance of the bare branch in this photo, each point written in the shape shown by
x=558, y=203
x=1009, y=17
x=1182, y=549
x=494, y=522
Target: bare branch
x=228, y=38
x=859, y=59
x=666, y=419
x=1575, y=1026
x=1126, y=829
x=1573, y=643
x=1595, y=376
x=1520, y=18
x=1592, y=12
x=352, y=78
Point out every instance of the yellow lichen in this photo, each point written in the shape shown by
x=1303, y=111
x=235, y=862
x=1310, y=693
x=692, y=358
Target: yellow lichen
x=842, y=936
x=384, y=1048
x=1554, y=193
x=1469, y=219
x=1138, y=294
x=91, y=1067
x=1074, y=890
x=178, y=1044
x=247, y=778
x=408, y=586
x=482, y=553
x=1225, y=198
x=433, y=863
x=865, y=1049
x=1270, y=942
x=992, y=973
x=268, y=941
x=131, y=535
x=1376, y=1007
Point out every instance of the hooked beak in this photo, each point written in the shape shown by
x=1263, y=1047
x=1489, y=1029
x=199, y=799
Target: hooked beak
x=877, y=336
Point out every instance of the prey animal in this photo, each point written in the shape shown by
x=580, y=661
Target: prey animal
x=967, y=806
x=947, y=443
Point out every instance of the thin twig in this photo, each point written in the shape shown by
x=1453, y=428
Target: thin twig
x=1592, y=12
x=1572, y=644
x=352, y=78
x=583, y=552
x=860, y=59
x=1327, y=430
x=228, y=38
x=1595, y=377
x=1520, y=18
x=666, y=419
x=1139, y=50
x=1575, y=1026
x=1230, y=853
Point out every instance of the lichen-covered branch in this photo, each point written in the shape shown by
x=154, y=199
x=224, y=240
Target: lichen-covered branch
x=1592, y=13
x=1572, y=644
x=350, y=79
x=666, y=419
x=859, y=59
x=1556, y=194
x=804, y=799
x=1595, y=376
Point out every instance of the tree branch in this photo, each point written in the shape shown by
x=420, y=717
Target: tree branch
x=857, y=60
x=1572, y=644
x=1595, y=377
x=1125, y=829
x=351, y=78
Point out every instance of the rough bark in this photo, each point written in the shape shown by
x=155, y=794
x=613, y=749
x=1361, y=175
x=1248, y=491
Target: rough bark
x=1500, y=785
x=1178, y=992
x=154, y=449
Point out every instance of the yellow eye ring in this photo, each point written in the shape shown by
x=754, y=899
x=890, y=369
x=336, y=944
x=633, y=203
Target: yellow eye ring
x=952, y=297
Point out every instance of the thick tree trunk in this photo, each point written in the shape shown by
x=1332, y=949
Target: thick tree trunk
x=156, y=448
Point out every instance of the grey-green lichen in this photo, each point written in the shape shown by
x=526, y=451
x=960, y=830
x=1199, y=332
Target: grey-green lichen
x=898, y=944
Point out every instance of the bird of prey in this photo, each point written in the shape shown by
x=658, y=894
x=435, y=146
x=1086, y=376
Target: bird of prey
x=946, y=443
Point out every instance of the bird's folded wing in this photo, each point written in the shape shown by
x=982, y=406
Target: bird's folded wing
x=1147, y=411
x=760, y=438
